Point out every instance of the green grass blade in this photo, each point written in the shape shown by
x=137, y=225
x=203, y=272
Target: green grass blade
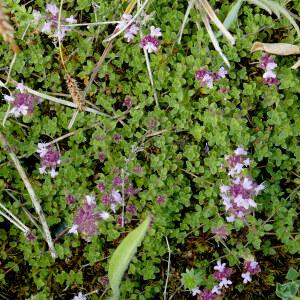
x=232, y=16
x=122, y=256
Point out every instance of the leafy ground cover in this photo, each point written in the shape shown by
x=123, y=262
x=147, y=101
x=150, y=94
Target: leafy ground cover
x=165, y=129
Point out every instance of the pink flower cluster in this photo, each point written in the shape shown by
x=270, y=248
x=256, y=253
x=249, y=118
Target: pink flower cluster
x=207, y=78
x=251, y=268
x=150, y=42
x=22, y=103
x=50, y=159
x=50, y=25
x=86, y=219
x=238, y=196
x=268, y=64
x=114, y=198
x=222, y=275
x=131, y=31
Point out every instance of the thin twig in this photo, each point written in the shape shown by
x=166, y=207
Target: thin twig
x=91, y=24
x=168, y=268
x=33, y=197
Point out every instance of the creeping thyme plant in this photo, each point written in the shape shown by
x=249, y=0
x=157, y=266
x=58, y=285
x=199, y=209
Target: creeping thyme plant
x=207, y=147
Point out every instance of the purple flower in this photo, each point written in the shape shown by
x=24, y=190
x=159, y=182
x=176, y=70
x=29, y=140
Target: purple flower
x=80, y=296
x=222, y=272
x=127, y=102
x=155, y=31
x=251, y=267
x=131, y=209
x=220, y=232
x=238, y=197
x=160, y=199
x=86, y=219
x=30, y=236
x=207, y=78
x=117, y=181
x=206, y=294
x=101, y=187
x=131, y=31
x=49, y=157
x=70, y=199
x=102, y=156
x=22, y=104
x=150, y=43
x=50, y=25
x=116, y=137
x=237, y=161
x=268, y=64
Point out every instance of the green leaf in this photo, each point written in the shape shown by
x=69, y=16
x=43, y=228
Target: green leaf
x=292, y=274
x=123, y=254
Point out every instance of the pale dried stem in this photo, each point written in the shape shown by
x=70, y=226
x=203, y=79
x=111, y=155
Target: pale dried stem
x=168, y=269
x=33, y=197
x=185, y=19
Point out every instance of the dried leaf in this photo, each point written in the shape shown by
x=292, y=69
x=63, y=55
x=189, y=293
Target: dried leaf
x=276, y=48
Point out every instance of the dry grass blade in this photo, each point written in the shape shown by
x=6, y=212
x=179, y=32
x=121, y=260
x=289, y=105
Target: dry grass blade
x=296, y=65
x=208, y=9
x=276, y=48
x=6, y=30
x=214, y=39
x=185, y=19
x=263, y=6
x=35, y=201
x=75, y=92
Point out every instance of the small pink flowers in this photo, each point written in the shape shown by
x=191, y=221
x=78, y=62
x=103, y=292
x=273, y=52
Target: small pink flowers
x=131, y=31
x=50, y=159
x=207, y=78
x=238, y=196
x=237, y=161
x=22, y=104
x=86, y=219
x=150, y=42
x=268, y=64
x=206, y=294
x=221, y=274
x=251, y=268
x=50, y=25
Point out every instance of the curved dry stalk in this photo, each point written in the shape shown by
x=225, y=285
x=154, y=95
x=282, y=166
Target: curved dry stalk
x=185, y=19
x=32, y=195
